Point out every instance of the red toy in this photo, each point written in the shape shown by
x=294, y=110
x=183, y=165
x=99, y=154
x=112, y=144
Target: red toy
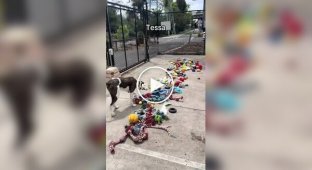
x=177, y=83
x=147, y=95
x=198, y=66
x=182, y=79
x=291, y=23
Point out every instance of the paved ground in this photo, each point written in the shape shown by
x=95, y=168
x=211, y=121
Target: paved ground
x=161, y=151
x=165, y=44
x=59, y=142
x=277, y=114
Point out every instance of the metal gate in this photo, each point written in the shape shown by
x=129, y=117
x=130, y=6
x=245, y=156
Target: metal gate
x=185, y=35
x=126, y=39
x=53, y=18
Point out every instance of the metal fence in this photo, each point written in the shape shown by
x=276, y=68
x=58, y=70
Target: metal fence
x=53, y=18
x=185, y=27
x=130, y=43
x=125, y=36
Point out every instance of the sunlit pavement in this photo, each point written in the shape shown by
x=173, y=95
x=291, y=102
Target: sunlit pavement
x=161, y=151
x=60, y=139
x=277, y=132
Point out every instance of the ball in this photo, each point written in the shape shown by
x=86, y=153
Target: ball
x=133, y=118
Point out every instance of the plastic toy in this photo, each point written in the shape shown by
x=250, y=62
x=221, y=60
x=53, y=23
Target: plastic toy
x=173, y=110
x=133, y=118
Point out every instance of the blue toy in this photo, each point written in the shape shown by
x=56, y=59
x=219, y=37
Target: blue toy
x=224, y=100
x=178, y=90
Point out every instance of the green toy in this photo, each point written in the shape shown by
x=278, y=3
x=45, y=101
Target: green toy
x=158, y=119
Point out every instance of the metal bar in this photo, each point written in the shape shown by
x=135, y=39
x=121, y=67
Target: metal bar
x=204, y=22
x=181, y=12
x=119, y=5
x=136, y=35
x=157, y=23
x=112, y=58
x=146, y=34
x=126, y=9
x=123, y=38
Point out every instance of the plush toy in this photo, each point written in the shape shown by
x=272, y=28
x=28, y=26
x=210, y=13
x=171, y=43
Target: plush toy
x=198, y=66
x=177, y=83
x=184, y=68
x=182, y=79
x=133, y=118
x=177, y=90
x=158, y=119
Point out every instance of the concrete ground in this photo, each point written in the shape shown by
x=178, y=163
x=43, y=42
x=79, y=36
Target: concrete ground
x=276, y=114
x=183, y=151
x=59, y=142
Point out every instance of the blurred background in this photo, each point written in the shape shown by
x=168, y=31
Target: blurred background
x=258, y=85
x=52, y=55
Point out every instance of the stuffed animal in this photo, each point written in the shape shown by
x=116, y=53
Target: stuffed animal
x=133, y=118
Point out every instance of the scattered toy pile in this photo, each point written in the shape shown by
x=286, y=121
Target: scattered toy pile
x=177, y=69
x=148, y=116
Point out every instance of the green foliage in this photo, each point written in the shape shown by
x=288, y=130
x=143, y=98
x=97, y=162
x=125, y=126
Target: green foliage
x=114, y=19
x=182, y=19
x=181, y=5
x=118, y=34
x=139, y=4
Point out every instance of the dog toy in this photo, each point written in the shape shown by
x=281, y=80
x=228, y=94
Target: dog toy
x=177, y=90
x=198, y=66
x=158, y=118
x=173, y=110
x=133, y=118
x=178, y=99
x=183, y=85
x=182, y=79
x=177, y=83
x=97, y=134
x=139, y=138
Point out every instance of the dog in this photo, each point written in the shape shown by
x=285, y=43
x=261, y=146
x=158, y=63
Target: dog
x=33, y=94
x=113, y=87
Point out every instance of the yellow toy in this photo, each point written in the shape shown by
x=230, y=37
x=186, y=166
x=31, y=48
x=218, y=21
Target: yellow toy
x=133, y=118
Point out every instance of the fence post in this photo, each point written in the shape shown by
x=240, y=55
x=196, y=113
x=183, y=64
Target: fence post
x=136, y=34
x=123, y=38
x=111, y=57
x=146, y=33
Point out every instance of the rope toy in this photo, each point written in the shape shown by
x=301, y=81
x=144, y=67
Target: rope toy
x=148, y=116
